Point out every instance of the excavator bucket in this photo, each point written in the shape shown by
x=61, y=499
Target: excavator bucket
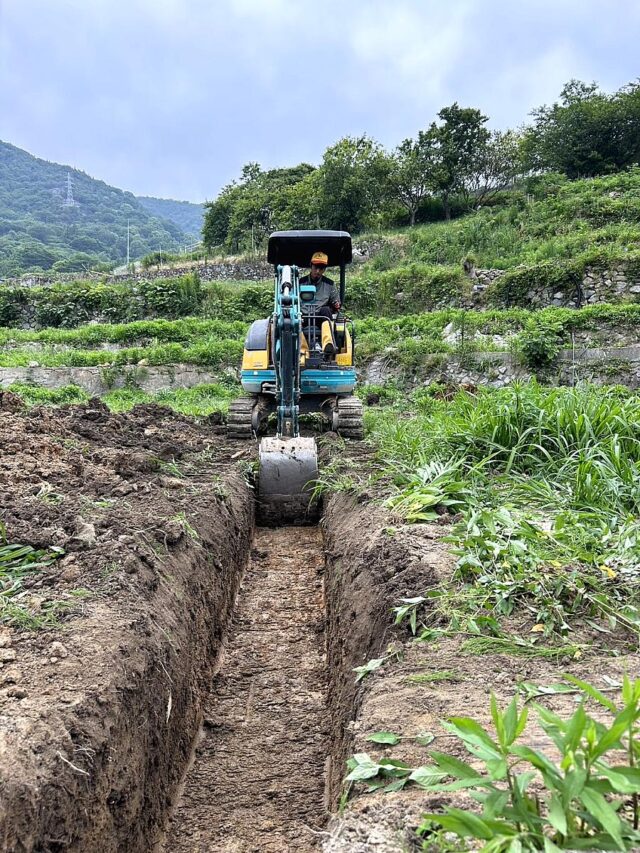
x=288, y=467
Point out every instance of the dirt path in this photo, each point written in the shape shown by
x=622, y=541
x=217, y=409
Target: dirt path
x=257, y=781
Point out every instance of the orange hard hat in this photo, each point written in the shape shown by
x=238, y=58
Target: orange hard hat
x=319, y=259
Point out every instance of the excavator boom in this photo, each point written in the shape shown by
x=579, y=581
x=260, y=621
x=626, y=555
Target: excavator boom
x=288, y=462
x=288, y=369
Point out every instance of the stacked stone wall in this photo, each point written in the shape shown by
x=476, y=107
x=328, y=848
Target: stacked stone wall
x=597, y=286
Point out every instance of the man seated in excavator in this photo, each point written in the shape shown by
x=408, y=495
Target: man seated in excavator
x=319, y=301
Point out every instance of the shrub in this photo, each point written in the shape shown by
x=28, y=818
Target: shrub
x=232, y=301
x=540, y=344
x=74, y=303
x=12, y=303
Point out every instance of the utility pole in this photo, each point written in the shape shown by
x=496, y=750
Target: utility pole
x=127, y=243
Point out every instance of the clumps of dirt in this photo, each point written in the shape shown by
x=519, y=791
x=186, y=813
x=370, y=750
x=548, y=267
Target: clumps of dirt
x=98, y=712
x=62, y=469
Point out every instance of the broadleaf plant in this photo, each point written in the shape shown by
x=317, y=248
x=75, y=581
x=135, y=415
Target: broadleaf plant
x=528, y=801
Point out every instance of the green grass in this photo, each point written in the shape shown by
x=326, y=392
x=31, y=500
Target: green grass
x=519, y=647
x=36, y=395
x=207, y=352
x=141, y=332
x=556, y=219
x=18, y=561
x=547, y=484
x=411, y=343
x=198, y=401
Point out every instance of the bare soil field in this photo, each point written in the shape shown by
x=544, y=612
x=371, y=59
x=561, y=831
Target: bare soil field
x=178, y=681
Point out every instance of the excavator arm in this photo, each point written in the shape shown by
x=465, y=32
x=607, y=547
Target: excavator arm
x=287, y=351
x=288, y=462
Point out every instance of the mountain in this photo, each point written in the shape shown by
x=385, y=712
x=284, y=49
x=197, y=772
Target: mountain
x=56, y=217
x=185, y=214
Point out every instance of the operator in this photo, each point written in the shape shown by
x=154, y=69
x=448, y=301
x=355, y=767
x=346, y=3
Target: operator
x=326, y=301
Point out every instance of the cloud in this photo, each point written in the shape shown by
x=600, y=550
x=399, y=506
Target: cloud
x=172, y=97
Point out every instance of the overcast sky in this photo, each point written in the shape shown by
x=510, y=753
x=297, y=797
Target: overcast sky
x=171, y=97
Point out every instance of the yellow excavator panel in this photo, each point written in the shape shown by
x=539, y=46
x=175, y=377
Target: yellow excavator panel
x=256, y=359
x=345, y=359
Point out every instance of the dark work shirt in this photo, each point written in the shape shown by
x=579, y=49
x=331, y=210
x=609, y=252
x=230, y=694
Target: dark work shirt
x=326, y=294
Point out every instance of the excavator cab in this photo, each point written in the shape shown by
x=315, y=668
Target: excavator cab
x=295, y=362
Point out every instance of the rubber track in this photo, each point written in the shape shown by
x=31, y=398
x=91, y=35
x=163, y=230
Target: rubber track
x=350, y=423
x=239, y=423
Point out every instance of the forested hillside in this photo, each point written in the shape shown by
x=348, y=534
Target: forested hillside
x=185, y=214
x=51, y=221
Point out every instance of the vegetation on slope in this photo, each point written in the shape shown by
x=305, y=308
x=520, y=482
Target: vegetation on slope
x=454, y=165
x=39, y=231
x=199, y=401
x=185, y=214
x=407, y=343
x=545, y=484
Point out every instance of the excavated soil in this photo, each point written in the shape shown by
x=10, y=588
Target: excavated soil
x=257, y=780
x=98, y=713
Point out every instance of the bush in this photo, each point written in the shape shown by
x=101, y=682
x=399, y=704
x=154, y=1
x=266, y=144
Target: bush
x=406, y=289
x=12, y=305
x=231, y=301
x=540, y=344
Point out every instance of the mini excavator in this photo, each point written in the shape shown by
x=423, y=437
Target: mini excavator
x=287, y=369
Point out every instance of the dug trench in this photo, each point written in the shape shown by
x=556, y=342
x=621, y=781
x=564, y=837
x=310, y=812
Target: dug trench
x=196, y=691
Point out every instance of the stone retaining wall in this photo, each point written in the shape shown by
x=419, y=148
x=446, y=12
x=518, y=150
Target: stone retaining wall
x=96, y=380
x=616, y=365
x=223, y=271
x=597, y=286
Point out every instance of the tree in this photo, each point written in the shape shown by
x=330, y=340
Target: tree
x=34, y=254
x=588, y=132
x=354, y=173
x=217, y=216
x=78, y=262
x=455, y=144
x=302, y=202
x=496, y=165
x=246, y=212
x=410, y=169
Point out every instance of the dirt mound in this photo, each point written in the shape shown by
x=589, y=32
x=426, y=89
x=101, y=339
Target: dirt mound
x=370, y=567
x=98, y=712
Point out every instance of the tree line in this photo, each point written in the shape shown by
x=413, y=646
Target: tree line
x=456, y=164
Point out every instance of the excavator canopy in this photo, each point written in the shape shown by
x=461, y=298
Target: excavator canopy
x=297, y=247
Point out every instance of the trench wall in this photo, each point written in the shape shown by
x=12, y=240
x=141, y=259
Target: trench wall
x=99, y=774
x=370, y=566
